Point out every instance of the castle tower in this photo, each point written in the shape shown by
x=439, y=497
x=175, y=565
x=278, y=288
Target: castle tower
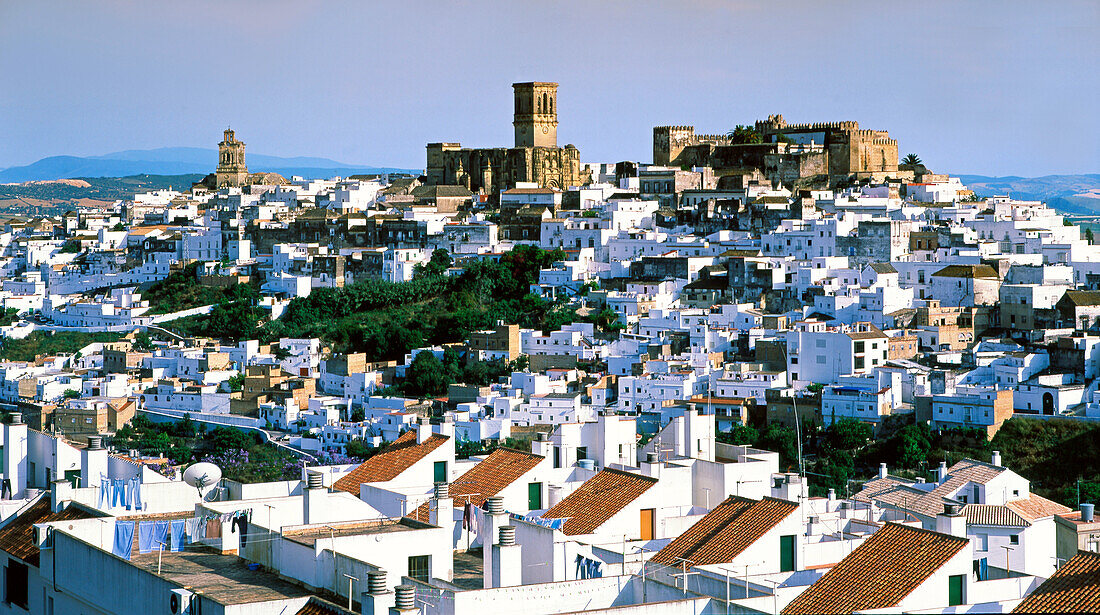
x=231, y=171
x=536, y=114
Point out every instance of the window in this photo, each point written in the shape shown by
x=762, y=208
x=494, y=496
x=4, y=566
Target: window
x=983, y=542
x=859, y=347
x=582, y=452
x=557, y=456
x=440, y=472
x=420, y=567
x=15, y=584
x=1014, y=539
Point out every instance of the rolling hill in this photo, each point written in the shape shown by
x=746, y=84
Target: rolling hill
x=177, y=161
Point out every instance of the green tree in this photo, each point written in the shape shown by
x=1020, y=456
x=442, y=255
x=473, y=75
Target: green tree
x=143, y=342
x=780, y=439
x=911, y=160
x=1088, y=235
x=744, y=435
x=436, y=266
x=427, y=376
x=71, y=394
x=912, y=444
x=743, y=134
x=235, y=382
x=848, y=434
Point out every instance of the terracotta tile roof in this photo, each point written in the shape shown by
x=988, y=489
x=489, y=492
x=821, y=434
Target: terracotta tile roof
x=881, y=572
x=993, y=515
x=900, y=492
x=1075, y=588
x=598, y=499
x=16, y=536
x=501, y=468
x=726, y=531
x=1037, y=507
x=389, y=463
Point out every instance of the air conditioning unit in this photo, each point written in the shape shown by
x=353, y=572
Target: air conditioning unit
x=42, y=536
x=179, y=601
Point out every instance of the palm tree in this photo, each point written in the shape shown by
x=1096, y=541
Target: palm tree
x=743, y=134
x=911, y=160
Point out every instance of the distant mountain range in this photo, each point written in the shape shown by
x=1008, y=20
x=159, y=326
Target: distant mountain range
x=1070, y=194
x=178, y=161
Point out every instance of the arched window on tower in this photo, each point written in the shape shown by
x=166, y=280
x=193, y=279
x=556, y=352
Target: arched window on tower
x=544, y=103
x=551, y=104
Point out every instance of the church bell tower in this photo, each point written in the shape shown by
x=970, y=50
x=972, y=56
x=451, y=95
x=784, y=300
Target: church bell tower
x=536, y=114
x=232, y=170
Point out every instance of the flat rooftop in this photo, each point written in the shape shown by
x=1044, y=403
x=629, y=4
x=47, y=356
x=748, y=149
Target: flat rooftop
x=309, y=535
x=469, y=570
x=224, y=579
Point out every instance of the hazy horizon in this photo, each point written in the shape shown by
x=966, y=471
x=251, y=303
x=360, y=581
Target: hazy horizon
x=982, y=88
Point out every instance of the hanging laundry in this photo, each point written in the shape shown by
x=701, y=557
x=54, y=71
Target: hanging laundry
x=468, y=516
x=146, y=531
x=135, y=492
x=124, y=539
x=241, y=521
x=214, y=528
x=104, y=492
x=581, y=572
x=118, y=493
x=179, y=534
x=5, y=489
x=160, y=535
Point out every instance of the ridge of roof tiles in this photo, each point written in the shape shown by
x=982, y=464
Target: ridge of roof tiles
x=599, y=499
x=726, y=531
x=880, y=573
x=389, y=463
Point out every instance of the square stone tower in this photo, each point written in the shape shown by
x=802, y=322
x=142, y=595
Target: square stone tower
x=536, y=114
x=231, y=170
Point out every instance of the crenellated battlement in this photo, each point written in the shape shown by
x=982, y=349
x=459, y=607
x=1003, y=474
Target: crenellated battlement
x=674, y=129
x=818, y=126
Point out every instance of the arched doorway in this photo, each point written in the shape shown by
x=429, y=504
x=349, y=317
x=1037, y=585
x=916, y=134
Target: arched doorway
x=1048, y=403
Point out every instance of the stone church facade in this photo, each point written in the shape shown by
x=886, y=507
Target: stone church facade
x=535, y=157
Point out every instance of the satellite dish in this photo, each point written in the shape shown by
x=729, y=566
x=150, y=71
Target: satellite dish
x=202, y=475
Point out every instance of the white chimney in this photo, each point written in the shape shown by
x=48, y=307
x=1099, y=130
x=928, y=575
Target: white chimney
x=61, y=493
x=651, y=466
x=542, y=445
x=447, y=427
x=423, y=430
x=951, y=521
x=507, y=559
x=93, y=463
x=404, y=600
x=378, y=599
x=441, y=506
x=495, y=518
x=941, y=473
x=996, y=460
x=882, y=473
x=314, y=499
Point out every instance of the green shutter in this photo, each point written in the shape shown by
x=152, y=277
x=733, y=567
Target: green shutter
x=441, y=471
x=955, y=589
x=786, y=553
x=73, y=476
x=534, y=496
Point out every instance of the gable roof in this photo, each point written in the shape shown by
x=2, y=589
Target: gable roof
x=1037, y=507
x=1074, y=588
x=1082, y=297
x=883, y=268
x=390, y=463
x=881, y=572
x=501, y=468
x=598, y=499
x=993, y=515
x=726, y=531
x=16, y=538
x=966, y=271
x=900, y=493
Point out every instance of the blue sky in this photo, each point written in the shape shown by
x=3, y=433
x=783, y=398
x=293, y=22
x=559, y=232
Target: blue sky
x=992, y=88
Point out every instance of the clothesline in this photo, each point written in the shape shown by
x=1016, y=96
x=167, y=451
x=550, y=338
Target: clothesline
x=180, y=531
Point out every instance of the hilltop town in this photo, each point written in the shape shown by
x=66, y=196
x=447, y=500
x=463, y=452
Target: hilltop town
x=779, y=368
